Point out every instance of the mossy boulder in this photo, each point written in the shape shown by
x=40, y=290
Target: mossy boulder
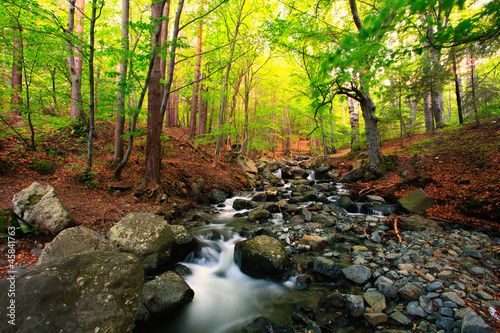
x=262, y=257
x=40, y=207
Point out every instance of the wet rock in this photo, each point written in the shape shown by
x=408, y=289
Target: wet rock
x=305, y=214
x=375, y=318
x=354, y=175
x=357, y=273
x=216, y=196
x=246, y=164
x=184, y=243
x=453, y=297
x=375, y=300
x=165, y=293
x=73, y=241
x=345, y=202
x=260, y=325
x=196, y=188
x=40, y=207
x=262, y=257
x=416, y=202
x=326, y=220
x=87, y=292
x=445, y=323
x=259, y=214
x=240, y=204
x=298, y=172
x=333, y=300
x=410, y=292
x=354, y=305
x=386, y=286
x=147, y=236
x=475, y=324
x=413, y=308
x=401, y=318
x=314, y=241
x=326, y=267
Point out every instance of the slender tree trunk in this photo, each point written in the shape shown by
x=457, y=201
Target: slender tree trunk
x=164, y=42
x=457, y=90
x=428, y=111
x=76, y=110
x=154, y=121
x=122, y=83
x=354, y=120
x=203, y=106
x=16, y=101
x=472, y=65
x=233, y=107
x=91, y=86
x=224, y=86
x=196, y=84
x=52, y=72
x=139, y=103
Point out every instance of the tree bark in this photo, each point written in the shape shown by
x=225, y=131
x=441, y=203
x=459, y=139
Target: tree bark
x=196, y=82
x=122, y=79
x=154, y=120
x=16, y=101
x=91, y=86
x=437, y=88
x=428, y=111
x=354, y=120
x=203, y=106
x=457, y=89
x=76, y=108
x=472, y=66
x=164, y=42
x=368, y=108
x=224, y=85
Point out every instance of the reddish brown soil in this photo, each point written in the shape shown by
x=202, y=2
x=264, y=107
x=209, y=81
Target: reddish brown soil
x=462, y=166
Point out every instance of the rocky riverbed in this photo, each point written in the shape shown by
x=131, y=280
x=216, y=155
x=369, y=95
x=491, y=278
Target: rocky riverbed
x=378, y=273
x=364, y=266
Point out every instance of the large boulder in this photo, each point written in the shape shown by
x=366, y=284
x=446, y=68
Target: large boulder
x=184, y=243
x=146, y=235
x=216, y=196
x=40, y=207
x=246, y=164
x=165, y=294
x=262, y=257
x=416, y=202
x=75, y=241
x=88, y=292
x=259, y=214
x=240, y=204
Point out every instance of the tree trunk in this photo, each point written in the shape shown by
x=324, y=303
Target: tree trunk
x=472, y=65
x=196, y=83
x=457, y=89
x=54, y=94
x=122, y=79
x=428, y=111
x=233, y=107
x=154, y=121
x=164, y=41
x=371, y=129
x=354, y=120
x=224, y=85
x=76, y=108
x=16, y=101
x=91, y=86
x=203, y=106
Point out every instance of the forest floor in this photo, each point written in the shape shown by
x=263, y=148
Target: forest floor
x=458, y=167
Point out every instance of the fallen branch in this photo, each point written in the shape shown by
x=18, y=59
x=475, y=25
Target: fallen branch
x=423, y=275
x=396, y=230
x=375, y=188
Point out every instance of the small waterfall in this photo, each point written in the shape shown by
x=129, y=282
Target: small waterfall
x=225, y=298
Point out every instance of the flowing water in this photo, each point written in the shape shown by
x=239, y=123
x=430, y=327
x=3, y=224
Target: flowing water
x=225, y=298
